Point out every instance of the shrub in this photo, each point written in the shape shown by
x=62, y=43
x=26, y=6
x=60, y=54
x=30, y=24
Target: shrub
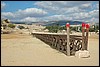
x=21, y=27
x=11, y=25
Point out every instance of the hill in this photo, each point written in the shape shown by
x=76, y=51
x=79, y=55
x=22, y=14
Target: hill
x=50, y=23
x=62, y=23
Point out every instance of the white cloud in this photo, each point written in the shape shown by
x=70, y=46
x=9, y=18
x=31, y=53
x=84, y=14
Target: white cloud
x=30, y=19
x=94, y=20
x=86, y=16
x=97, y=6
x=94, y=13
x=7, y=15
x=44, y=4
x=2, y=5
x=86, y=6
x=57, y=17
x=75, y=10
x=57, y=10
x=20, y=14
x=64, y=7
x=80, y=15
x=94, y=16
x=32, y=12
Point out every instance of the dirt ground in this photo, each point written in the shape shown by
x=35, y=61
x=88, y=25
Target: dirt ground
x=26, y=50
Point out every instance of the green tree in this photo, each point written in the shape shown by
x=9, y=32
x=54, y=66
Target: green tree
x=73, y=28
x=96, y=28
x=11, y=25
x=91, y=30
x=21, y=27
x=53, y=29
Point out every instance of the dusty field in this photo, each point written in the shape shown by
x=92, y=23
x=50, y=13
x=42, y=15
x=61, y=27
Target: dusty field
x=26, y=50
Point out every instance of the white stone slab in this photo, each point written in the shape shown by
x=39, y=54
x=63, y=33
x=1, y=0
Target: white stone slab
x=82, y=54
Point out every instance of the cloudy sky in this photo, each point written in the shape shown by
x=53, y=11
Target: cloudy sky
x=31, y=11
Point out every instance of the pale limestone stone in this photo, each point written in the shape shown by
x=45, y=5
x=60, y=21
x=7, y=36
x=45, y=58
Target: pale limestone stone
x=82, y=54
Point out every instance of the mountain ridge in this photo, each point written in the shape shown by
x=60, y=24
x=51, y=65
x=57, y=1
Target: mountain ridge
x=50, y=23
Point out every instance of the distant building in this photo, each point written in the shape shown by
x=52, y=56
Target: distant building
x=75, y=25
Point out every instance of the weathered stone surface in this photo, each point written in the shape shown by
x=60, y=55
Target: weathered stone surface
x=82, y=54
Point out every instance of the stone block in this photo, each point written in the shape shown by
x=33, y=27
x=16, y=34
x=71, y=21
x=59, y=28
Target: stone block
x=82, y=54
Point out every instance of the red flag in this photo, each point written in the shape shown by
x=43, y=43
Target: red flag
x=67, y=25
x=83, y=24
x=87, y=26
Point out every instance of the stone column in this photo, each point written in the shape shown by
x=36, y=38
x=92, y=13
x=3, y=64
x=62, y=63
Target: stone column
x=83, y=37
x=68, y=45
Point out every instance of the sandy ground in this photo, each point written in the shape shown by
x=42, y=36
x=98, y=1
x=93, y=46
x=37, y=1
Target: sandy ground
x=26, y=50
